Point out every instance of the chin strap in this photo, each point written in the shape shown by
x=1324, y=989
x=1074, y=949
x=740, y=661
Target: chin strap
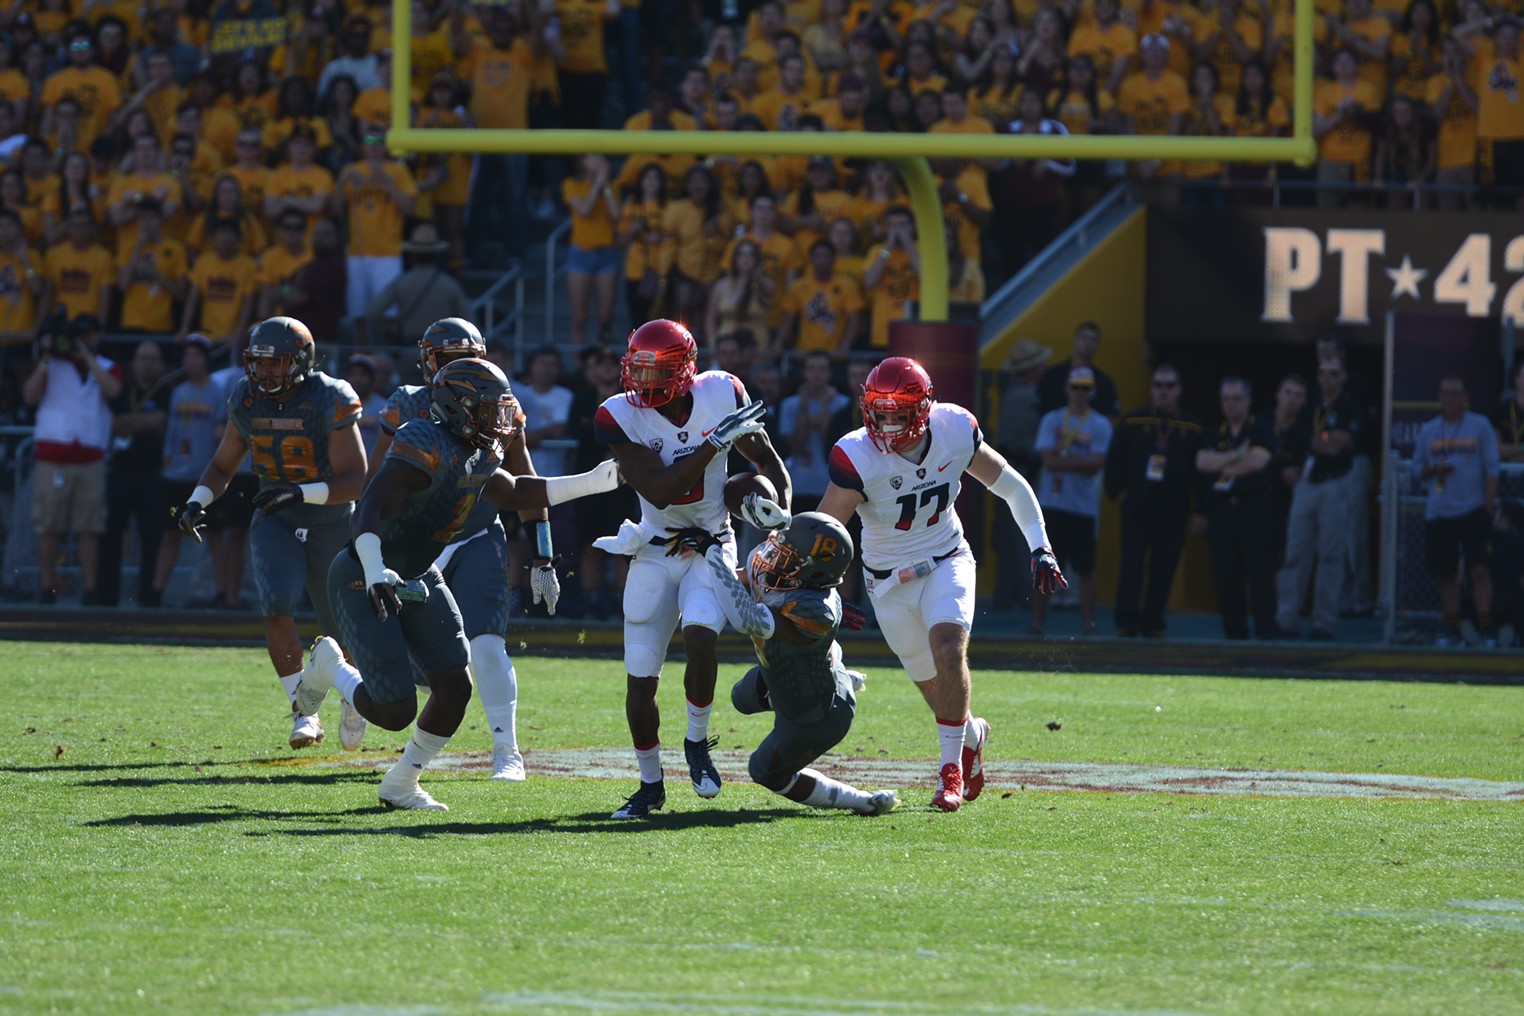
x=1013, y=489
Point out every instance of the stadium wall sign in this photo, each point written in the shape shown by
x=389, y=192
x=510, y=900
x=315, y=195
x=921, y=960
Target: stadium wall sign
x=1283, y=274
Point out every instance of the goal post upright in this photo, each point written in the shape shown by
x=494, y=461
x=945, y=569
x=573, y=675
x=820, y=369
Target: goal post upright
x=908, y=152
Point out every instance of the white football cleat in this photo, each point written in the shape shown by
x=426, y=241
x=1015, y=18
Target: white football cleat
x=305, y=730
x=414, y=798
x=881, y=802
x=352, y=727
x=507, y=765
x=318, y=677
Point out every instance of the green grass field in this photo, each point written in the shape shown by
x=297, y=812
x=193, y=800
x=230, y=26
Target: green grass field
x=163, y=851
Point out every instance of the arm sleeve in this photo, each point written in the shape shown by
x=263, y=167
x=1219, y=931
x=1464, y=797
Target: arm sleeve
x=746, y=615
x=1014, y=490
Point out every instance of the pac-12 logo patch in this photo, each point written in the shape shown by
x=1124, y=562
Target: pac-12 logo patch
x=656, y=444
x=895, y=481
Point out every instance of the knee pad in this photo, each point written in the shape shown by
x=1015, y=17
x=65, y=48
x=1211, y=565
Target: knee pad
x=763, y=772
x=643, y=657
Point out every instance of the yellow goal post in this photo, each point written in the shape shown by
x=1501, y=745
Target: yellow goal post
x=908, y=152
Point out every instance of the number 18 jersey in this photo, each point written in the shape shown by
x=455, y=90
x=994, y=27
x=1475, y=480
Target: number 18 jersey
x=716, y=395
x=907, y=507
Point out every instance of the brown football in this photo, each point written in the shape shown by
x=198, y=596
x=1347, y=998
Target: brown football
x=738, y=486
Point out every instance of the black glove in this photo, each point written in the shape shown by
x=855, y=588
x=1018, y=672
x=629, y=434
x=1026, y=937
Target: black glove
x=384, y=599
x=853, y=617
x=1046, y=578
x=191, y=518
x=690, y=538
x=277, y=498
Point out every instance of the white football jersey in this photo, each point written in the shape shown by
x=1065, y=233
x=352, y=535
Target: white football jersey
x=716, y=395
x=907, y=508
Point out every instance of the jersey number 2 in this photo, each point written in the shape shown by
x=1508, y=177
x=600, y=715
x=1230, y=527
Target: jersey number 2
x=908, y=505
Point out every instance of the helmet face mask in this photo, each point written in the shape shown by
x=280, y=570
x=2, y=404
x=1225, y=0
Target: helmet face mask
x=660, y=364
x=279, y=356
x=446, y=340
x=473, y=399
x=896, y=403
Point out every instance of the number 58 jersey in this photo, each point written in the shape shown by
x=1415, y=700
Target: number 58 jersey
x=907, y=507
x=288, y=438
x=716, y=395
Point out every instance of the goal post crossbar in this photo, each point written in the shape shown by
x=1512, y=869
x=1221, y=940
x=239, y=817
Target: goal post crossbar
x=908, y=152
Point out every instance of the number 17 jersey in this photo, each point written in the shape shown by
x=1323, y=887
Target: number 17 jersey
x=907, y=507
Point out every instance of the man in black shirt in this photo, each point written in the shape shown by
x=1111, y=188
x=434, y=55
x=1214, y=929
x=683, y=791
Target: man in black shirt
x=134, y=489
x=1151, y=470
x=1285, y=469
x=1508, y=420
x=1326, y=438
x=1053, y=386
x=1235, y=490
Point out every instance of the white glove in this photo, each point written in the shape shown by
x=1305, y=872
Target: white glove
x=625, y=542
x=764, y=513
x=545, y=584
x=746, y=420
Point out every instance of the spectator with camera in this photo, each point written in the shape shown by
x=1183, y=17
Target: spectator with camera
x=139, y=417
x=71, y=388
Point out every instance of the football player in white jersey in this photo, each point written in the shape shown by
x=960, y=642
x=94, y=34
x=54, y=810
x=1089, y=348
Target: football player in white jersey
x=671, y=430
x=901, y=473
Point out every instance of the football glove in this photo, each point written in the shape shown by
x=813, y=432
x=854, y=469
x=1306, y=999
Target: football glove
x=545, y=584
x=744, y=421
x=764, y=513
x=1046, y=578
x=191, y=518
x=690, y=538
x=277, y=497
x=853, y=617
x=380, y=581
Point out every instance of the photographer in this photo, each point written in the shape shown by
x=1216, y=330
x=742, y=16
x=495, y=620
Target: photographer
x=71, y=388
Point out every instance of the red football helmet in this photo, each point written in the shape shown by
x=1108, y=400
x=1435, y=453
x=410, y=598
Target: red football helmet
x=896, y=403
x=660, y=364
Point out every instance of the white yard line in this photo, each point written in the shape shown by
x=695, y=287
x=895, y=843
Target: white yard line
x=617, y=764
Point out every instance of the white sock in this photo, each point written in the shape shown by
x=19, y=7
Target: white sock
x=650, y=763
x=497, y=685
x=421, y=749
x=971, y=732
x=289, y=682
x=698, y=721
x=346, y=679
x=829, y=793
x=950, y=733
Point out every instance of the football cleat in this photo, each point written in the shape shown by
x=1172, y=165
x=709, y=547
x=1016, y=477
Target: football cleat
x=413, y=799
x=318, y=677
x=701, y=770
x=973, y=761
x=650, y=797
x=352, y=728
x=507, y=765
x=949, y=793
x=305, y=730
x=881, y=802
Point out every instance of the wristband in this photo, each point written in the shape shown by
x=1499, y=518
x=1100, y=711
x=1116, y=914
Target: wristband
x=202, y=495
x=602, y=477
x=542, y=543
x=368, y=550
x=314, y=493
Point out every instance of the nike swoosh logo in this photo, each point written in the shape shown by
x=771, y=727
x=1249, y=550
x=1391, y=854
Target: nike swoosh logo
x=706, y=433
x=943, y=466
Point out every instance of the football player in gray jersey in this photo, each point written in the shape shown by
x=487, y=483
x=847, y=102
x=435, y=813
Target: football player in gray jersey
x=792, y=613
x=478, y=559
x=299, y=426
x=390, y=599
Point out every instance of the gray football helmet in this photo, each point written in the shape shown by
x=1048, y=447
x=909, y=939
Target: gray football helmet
x=812, y=552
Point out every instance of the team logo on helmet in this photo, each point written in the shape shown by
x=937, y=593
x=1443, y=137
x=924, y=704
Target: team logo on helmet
x=474, y=400
x=896, y=403
x=445, y=340
x=279, y=356
x=660, y=364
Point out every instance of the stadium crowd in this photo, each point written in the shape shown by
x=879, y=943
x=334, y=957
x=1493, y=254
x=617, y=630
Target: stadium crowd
x=186, y=168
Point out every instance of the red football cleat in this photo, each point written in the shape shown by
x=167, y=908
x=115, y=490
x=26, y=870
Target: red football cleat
x=973, y=761
x=949, y=793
